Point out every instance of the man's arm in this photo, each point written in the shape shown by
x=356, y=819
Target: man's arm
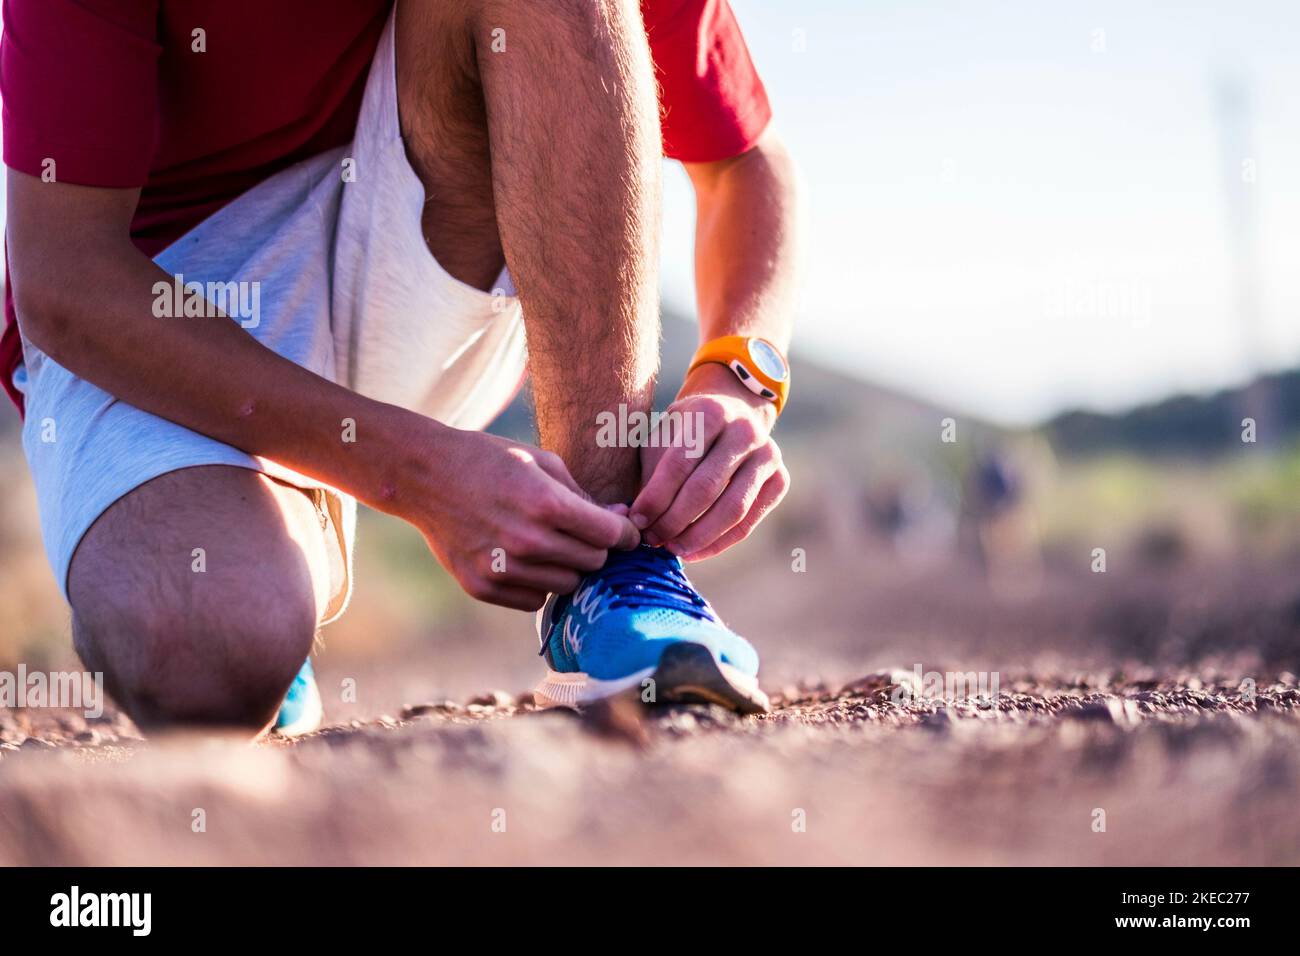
x=745, y=263
x=84, y=295
x=746, y=243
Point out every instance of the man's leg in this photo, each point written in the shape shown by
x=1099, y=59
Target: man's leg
x=216, y=642
x=534, y=128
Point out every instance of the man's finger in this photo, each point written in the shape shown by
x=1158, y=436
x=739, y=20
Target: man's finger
x=730, y=509
x=593, y=524
x=707, y=483
x=567, y=551
x=518, y=598
x=674, y=468
x=551, y=578
x=657, y=496
x=554, y=466
x=768, y=498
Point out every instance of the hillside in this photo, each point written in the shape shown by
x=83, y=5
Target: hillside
x=1186, y=424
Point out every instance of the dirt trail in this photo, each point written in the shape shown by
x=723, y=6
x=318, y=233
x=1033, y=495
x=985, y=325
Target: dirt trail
x=1180, y=769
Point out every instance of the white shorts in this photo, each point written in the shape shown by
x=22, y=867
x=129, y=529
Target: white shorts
x=347, y=289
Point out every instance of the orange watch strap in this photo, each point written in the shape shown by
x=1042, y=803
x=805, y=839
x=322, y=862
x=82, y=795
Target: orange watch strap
x=728, y=348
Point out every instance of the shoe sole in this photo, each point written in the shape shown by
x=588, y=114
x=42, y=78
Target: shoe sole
x=686, y=674
x=690, y=674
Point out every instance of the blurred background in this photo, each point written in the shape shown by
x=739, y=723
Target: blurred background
x=1063, y=236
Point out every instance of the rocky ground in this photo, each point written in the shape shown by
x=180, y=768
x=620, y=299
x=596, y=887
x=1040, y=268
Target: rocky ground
x=1177, y=768
x=1142, y=717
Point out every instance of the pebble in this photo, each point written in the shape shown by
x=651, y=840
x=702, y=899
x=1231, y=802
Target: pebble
x=940, y=719
x=422, y=710
x=1110, y=710
x=878, y=681
x=493, y=698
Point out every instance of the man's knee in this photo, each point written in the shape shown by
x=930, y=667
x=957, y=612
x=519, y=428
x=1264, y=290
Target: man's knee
x=169, y=664
x=198, y=596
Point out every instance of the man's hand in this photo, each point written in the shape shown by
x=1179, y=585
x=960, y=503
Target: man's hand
x=507, y=520
x=699, y=500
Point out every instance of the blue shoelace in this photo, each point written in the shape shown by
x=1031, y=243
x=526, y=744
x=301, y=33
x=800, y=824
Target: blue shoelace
x=647, y=577
x=652, y=577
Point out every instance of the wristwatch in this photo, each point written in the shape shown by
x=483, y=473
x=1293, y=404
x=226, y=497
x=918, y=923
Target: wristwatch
x=755, y=361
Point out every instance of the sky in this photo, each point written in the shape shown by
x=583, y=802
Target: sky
x=1020, y=206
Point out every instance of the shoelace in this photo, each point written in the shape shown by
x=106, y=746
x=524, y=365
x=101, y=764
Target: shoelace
x=652, y=577
x=646, y=577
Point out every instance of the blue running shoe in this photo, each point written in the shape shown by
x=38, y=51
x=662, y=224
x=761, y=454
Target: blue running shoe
x=639, y=623
x=301, y=712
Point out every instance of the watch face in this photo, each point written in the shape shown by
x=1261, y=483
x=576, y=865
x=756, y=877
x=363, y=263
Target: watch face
x=768, y=359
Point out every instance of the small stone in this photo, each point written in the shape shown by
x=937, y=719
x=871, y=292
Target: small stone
x=684, y=722
x=430, y=707
x=493, y=698
x=1108, y=710
x=88, y=737
x=616, y=718
x=941, y=719
x=880, y=681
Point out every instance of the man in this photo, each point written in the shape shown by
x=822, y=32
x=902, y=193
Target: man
x=258, y=259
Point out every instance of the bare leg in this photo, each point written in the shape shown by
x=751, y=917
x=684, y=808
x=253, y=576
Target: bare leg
x=534, y=128
x=213, y=647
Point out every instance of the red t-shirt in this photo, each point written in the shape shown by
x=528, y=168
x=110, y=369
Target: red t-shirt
x=116, y=93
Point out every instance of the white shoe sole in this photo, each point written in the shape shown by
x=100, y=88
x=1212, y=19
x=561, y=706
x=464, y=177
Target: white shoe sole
x=686, y=673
